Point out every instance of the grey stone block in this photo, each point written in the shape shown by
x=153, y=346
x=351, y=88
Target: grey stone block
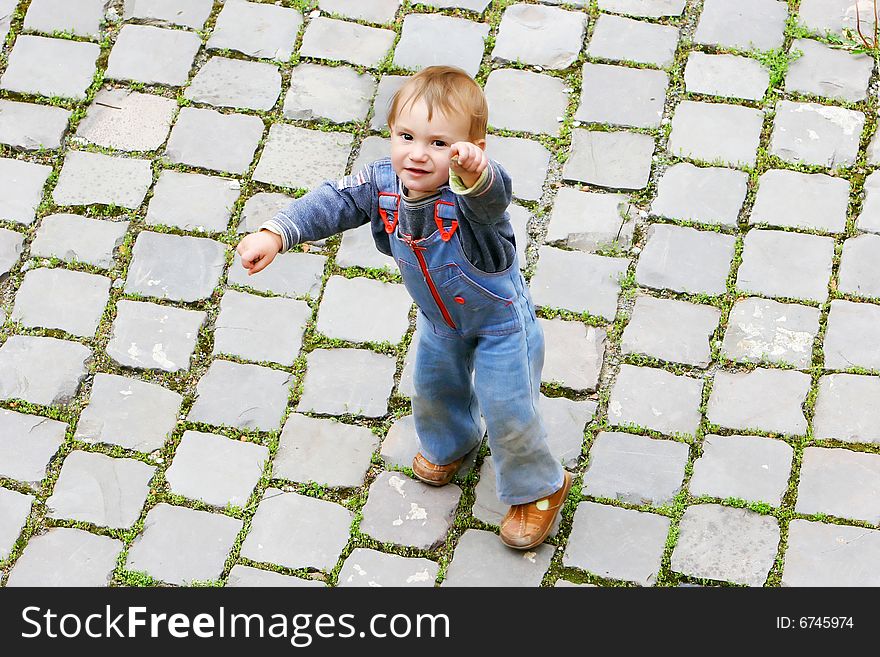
x=44, y=371
x=750, y=468
x=526, y=101
x=745, y=25
x=588, y=221
x=852, y=336
x=225, y=82
x=188, y=13
x=574, y=354
x=21, y=189
x=834, y=16
x=846, y=409
x=29, y=126
x=474, y=5
x=363, y=310
x=342, y=381
x=674, y=331
x=209, y=139
x=129, y=413
x=261, y=207
x=565, y=420
x=708, y=195
x=858, y=266
x=192, y=201
x=216, y=469
x=432, y=39
x=831, y=555
x=10, y=249
x=327, y=38
x=828, y=72
x=296, y=531
x=385, y=90
x=150, y=336
x=649, y=8
x=105, y=491
x=58, y=298
x=72, y=238
x=481, y=559
x=6, y=9
x=730, y=76
x=324, y=451
x=763, y=399
x=620, y=160
x=622, y=96
x=760, y=330
x=837, y=132
x=635, y=469
x=374, y=148
x=292, y=274
x=14, y=510
x=540, y=35
x=786, y=264
x=339, y=94
x=685, y=260
x=525, y=160
x=655, y=399
x=256, y=29
x=88, y=178
x=68, y=558
x=365, y=567
x=373, y=11
x=624, y=39
x=50, y=67
x=298, y=157
x=579, y=282
x=716, y=133
x=801, y=200
x=402, y=511
x=841, y=483
x=80, y=17
x=247, y=577
x=27, y=443
x=181, y=546
x=153, y=55
x=358, y=249
x=126, y=120
x=723, y=543
x=401, y=445
x=242, y=396
x=617, y=543
x=869, y=219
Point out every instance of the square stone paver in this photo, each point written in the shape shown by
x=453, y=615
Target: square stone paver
x=373, y=11
x=809, y=133
x=80, y=17
x=846, y=409
x=358, y=249
x=10, y=249
x=728, y=544
x=525, y=160
x=150, y=336
x=841, y=483
x=655, y=399
x=821, y=16
x=828, y=72
x=105, y=491
x=401, y=445
x=365, y=567
x=188, y=13
x=574, y=354
x=858, y=266
x=242, y=396
x=481, y=559
x=685, y=260
x=73, y=238
x=544, y=36
x=247, y=577
x=339, y=93
x=222, y=142
x=624, y=39
x=363, y=310
x=347, y=381
x=44, y=371
x=361, y=45
x=21, y=189
x=181, y=546
x=50, y=67
x=326, y=452
x=153, y=55
x=649, y=8
x=29, y=126
x=66, y=557
x=801, y=200
x=786, y=264
x=296, y=531
x=674, y=331
x=579, y=282
x=635, y=469
x=216, y=469
x=6, y=11
x=763, y=330
x=292, y=274
x=831, y=555
x=261, y=207
x=588, y=221
x=750, y=468
x=404, y=511
x=192, y=201
x=869, y=219
x=431, y=39
x=225, y=82
x=128, y=412
x=525, y=101
x=14, y=510
x=565, y=420
x=851, y=339
x=617, y=543
x=620, y=160
x=27, y=443
x=622, y=96
x=716, y=133
x=58, y=298
x=385, y=90
x=763, y=399
x=175, y=267
x=298, y=157
x=730, y=76
x=126, y=120
x=89, y=178
x=708, y=195
x=256, y=29
x=744, y=25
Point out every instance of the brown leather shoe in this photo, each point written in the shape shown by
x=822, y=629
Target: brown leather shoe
x=432, y=474
x=527, y=525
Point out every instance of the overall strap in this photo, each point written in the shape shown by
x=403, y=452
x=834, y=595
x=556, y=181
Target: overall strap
x=389, y=199
x=444, y=208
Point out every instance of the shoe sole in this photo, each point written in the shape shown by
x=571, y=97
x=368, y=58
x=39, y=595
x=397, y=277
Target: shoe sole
x=567, y=485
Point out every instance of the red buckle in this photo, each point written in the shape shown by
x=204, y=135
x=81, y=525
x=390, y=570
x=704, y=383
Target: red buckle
x=383, y=213
x=445, y=235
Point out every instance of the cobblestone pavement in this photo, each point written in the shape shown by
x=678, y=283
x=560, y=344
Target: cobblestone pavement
x=699, y=222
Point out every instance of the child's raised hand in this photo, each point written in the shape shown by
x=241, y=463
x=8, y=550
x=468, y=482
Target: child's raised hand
x=258, y=249
x=467, y=160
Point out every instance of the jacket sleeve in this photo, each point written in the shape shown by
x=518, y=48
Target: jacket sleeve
x=488, y=198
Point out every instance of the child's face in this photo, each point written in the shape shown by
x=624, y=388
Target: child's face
x=420, y=148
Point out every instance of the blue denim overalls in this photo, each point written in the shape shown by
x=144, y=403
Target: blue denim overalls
x=472, y=322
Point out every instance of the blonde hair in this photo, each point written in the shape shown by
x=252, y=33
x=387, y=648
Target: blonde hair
x=446, y=89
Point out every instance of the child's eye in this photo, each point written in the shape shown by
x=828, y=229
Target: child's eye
x=406, y=136
x=439, y=142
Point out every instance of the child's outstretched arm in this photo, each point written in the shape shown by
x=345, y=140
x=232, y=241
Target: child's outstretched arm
x=482, y=185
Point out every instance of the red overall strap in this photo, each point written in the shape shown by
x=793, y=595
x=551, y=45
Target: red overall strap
x=445, y=234
x=383, y=213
